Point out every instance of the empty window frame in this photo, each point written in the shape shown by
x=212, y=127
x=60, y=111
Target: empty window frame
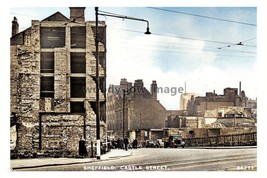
x=78, y=37
x=47, y=62
x=102, y=59
x=78, y=87
x=47, y=87
x=52, y=37
x=77, y=107
x=78, y=63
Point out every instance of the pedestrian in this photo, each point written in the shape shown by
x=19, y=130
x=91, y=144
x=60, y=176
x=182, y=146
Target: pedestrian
x=126, y=142
x=135, y=144
x=113, y=144
x=119, y=143
x=82, y=148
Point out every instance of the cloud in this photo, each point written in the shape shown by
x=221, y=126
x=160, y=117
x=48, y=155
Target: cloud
x=141, y=57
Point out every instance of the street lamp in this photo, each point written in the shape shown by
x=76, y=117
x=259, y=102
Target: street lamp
x=98, y=151
x=123, y=17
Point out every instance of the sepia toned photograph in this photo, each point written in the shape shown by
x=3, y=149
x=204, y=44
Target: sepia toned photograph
x=151, y=89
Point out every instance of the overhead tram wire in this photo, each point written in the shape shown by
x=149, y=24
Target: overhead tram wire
x=190, y=46
x=250, y=39
x=173, y=36
x=187, y=38
x=205, y=53
x=181, y=37
x=241, y=43
x=203, y=16
x=188, y=53
x=25, y=15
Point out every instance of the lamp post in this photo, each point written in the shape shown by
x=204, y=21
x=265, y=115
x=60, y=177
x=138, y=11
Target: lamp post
x=123, y=112
x=97, y=12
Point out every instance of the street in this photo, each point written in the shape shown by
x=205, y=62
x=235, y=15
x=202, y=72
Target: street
x=157, y=159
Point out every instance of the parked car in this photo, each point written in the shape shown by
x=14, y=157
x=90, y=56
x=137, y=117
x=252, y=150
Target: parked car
x=160, y=143
x=151, y=144
x=174, y=141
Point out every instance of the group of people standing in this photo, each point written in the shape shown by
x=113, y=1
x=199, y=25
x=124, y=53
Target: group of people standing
x=119, y=143
x=124, y=144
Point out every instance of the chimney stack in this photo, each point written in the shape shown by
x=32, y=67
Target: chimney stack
x=15, y=26
x=123, y=84
x=153, y=89
x=139, y=87
x=77, y=14
x=240, y=88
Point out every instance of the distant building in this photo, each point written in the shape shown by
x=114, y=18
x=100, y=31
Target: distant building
x=173, y=116
x=198, y=105
x=53, y=71
x=184, y=98
x=252, y=103
x=227, y=112
x=142, y=109
x=207, y=111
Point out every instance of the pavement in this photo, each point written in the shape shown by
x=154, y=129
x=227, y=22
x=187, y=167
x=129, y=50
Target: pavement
x=17, y=164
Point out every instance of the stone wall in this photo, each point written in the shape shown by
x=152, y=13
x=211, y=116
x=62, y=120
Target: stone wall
x=212, y=105
x=61, y=132
x=49, y=119
x=26, y=92
x=46, y=124
x=61, y=81
x=153, y=114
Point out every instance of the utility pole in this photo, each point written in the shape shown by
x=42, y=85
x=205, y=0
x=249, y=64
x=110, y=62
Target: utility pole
x=98, y=149
x=123, y=113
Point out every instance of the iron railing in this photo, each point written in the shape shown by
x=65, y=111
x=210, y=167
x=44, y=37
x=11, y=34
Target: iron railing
x=245, y=139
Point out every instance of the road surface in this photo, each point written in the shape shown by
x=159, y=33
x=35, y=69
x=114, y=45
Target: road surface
x=170, y=159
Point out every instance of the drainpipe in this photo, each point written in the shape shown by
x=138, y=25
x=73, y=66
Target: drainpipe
x=40, y=132
x=84, y=126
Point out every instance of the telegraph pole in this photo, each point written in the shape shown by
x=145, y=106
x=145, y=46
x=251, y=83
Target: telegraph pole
x=98, y=150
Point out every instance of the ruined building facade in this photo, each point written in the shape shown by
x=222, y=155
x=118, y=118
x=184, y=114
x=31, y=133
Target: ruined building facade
x=53, y=74
x=197, y=106
x=142, y=109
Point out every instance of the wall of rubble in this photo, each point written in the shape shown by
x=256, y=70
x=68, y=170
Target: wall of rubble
x=25, y=89
x=61, y=79
x=61, y=133
x=60, y=130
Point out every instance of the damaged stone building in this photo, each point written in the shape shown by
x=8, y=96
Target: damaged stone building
x=142, y=109
x=202, y=111
x=197, y=106
x=53, y=74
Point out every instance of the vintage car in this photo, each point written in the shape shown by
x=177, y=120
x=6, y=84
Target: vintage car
x=174, y=141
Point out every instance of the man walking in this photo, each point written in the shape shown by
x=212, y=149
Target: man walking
x=135, y=144
x=126, y=142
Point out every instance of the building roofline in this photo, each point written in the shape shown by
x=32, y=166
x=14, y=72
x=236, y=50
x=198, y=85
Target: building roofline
x=45, y=19
x=55, y=14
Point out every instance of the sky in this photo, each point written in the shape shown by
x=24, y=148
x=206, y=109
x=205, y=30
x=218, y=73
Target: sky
x=184, y=47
